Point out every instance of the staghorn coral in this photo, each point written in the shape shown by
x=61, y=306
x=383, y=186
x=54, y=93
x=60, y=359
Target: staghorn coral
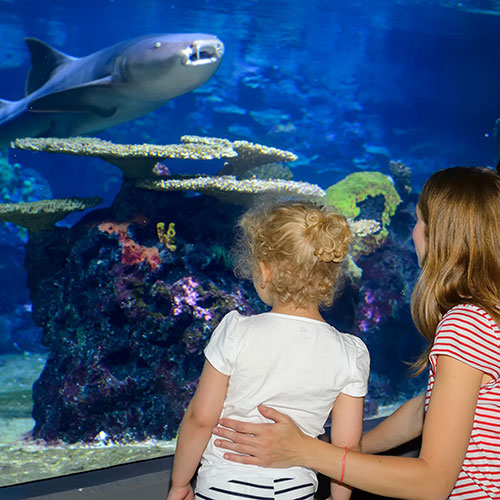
x=41, y=215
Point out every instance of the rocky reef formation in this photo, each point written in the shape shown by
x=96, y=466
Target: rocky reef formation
x=128, y=297
x=125, y=316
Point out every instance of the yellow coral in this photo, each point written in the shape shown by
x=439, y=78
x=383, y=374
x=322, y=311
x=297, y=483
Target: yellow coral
x=167, y=237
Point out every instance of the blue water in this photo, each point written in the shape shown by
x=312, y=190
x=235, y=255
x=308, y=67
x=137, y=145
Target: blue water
x=347, y=86
x=418, y=78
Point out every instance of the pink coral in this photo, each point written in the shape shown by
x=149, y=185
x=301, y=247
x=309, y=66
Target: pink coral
x=132, y=252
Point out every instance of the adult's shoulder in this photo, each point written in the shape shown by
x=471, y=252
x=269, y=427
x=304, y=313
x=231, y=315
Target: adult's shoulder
x=468, y=333
x=468, y=314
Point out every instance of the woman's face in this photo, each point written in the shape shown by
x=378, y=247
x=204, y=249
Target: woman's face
x=419, y=238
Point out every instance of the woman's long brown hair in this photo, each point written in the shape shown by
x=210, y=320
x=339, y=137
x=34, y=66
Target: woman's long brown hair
x=460, y=207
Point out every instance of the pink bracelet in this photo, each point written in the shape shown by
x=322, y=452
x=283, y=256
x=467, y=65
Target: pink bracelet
x=343, y=465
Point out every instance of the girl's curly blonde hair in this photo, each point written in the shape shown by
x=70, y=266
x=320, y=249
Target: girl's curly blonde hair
x=303, y=243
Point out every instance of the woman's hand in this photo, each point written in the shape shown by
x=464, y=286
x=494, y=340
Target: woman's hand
x=269, y=445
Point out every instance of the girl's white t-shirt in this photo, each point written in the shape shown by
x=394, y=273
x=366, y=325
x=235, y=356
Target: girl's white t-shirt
x=295, y=365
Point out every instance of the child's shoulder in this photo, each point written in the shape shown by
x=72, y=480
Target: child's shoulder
x=235, y=317
x=354, y=343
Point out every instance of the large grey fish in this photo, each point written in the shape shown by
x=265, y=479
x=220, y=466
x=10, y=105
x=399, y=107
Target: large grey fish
x=67, y=96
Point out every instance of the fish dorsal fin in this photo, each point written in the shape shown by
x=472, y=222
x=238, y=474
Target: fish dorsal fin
x=44, y=62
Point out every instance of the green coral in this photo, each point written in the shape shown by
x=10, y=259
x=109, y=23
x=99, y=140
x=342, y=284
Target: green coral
x=221, y=253
x=8, y=176
x=356, y=187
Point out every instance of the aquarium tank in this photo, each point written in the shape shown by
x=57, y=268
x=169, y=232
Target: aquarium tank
x=134, y=134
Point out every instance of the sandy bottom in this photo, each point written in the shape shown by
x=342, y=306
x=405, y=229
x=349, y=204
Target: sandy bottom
x=23, y=460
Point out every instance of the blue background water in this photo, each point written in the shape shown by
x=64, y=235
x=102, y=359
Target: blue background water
x=416, y=78
x=347, y=86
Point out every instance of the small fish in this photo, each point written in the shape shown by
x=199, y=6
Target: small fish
x=140, y=219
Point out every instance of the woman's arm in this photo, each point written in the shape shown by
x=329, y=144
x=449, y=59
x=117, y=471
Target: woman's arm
x=405, y=424
x=346, y=431
x=446, y=434
x=201, y=415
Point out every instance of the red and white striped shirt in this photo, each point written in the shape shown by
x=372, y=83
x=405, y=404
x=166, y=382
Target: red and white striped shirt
x=469, y=334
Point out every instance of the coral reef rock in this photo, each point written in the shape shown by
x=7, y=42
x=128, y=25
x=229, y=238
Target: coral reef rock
x=125, y=318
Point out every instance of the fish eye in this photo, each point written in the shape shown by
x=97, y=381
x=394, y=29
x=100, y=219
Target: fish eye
x=157, y=45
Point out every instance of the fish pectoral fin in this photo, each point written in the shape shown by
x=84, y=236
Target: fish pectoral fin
x=102, y=111
x=92, y=98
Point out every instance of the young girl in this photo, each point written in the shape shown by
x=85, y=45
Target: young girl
x=455, y=305
x=289, y=358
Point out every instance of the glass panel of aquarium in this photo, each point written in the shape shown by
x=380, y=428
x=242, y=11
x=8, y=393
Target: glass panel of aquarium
x=134, y=134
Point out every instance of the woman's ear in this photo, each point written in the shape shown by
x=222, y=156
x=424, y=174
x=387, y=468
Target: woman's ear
x=265, y=272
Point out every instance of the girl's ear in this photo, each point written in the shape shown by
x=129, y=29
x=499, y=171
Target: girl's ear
x=266, y=272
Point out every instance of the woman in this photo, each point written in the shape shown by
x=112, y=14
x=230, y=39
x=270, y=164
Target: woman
x=455, y=306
